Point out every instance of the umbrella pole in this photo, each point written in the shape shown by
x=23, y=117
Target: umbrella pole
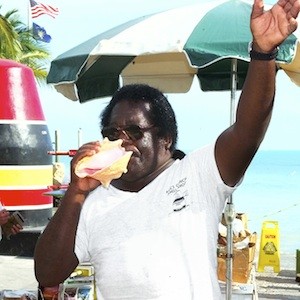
x=233, y=90
x=229, y=209
x=229, y=214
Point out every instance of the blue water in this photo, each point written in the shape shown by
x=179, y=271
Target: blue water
x=270, y=191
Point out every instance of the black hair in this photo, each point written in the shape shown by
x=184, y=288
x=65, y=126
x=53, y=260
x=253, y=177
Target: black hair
x=161, y=112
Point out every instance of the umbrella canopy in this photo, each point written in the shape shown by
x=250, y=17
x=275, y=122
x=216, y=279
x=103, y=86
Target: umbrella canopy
x=166, y=50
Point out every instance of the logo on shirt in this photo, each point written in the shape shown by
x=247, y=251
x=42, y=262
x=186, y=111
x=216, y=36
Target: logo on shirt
x=179, y=204
x=179, y=192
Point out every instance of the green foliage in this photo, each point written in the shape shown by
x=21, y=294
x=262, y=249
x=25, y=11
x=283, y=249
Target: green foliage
x=17, y=43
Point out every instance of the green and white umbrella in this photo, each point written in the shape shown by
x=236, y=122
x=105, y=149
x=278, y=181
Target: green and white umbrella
x=166, y=50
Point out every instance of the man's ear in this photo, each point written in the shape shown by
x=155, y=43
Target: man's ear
x=168, y=142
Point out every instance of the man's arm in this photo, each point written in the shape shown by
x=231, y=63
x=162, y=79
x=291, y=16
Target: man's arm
x=237, y=145
x=54, y=255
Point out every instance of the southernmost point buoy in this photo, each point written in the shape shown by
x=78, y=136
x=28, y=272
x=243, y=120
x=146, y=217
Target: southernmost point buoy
x=25, y=167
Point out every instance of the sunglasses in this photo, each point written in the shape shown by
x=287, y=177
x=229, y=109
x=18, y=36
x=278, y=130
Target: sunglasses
x=133, y=132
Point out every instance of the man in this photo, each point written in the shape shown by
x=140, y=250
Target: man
x=153, y=233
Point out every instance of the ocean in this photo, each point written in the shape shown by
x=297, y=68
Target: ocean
x=270, y=191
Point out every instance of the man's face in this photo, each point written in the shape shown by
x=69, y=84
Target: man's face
x=147, y=150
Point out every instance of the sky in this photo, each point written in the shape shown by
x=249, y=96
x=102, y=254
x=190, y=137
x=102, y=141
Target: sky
x=201, y=115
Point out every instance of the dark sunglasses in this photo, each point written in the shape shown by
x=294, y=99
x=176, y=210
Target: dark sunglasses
x=133, y=132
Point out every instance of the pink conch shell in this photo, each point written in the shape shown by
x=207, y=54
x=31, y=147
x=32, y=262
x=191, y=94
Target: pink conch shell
x=108, y=164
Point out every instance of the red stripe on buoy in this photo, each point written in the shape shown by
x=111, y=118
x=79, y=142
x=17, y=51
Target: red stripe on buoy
x=18, y=92
x=25, y=197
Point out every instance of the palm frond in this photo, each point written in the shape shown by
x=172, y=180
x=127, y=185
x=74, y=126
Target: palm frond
x=18, y=43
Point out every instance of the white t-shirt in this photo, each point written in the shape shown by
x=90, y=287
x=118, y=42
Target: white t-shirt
x=161, y=242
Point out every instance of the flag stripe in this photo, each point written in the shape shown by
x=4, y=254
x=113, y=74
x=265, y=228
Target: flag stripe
x=40, y=9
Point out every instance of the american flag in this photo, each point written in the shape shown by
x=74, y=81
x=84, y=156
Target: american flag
x=38, y=9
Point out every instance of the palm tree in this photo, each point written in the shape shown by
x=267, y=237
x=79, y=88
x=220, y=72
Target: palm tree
x=17, y=43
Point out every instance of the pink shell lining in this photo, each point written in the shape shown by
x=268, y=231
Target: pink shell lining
x=101, y=161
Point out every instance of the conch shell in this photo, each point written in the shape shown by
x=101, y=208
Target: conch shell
x=108, y=164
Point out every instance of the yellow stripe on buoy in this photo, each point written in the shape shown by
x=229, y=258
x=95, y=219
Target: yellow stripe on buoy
x=26, y=175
